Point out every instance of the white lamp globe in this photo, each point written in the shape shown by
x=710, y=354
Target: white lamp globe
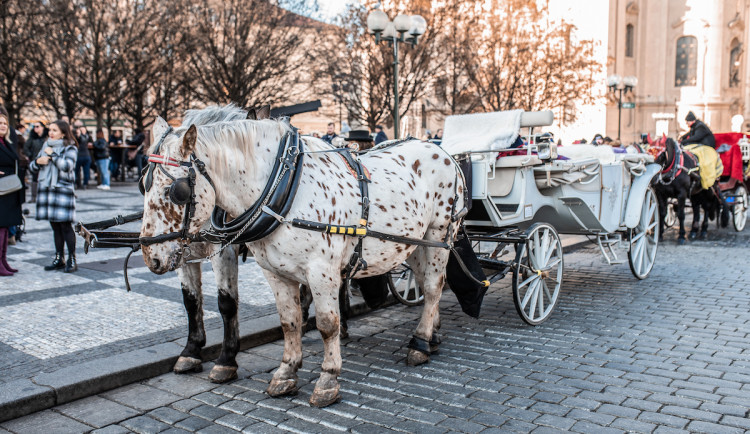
x=418, y=25
x=630, y=81
x=377, y=21
x=402, y=23
x=613, y=80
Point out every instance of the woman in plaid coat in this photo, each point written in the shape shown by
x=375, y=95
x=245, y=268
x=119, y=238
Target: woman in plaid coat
x=55, y=201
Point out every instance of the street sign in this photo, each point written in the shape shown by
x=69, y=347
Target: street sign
x=628, y=105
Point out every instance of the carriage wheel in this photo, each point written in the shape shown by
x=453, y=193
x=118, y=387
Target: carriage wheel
x=404, y=286
x=739, y=208
x=538, y=273
x=671, y=218
x=644, y=238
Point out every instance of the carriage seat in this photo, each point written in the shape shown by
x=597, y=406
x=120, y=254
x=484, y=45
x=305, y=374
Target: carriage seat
x=537, y=119
x=562, y=172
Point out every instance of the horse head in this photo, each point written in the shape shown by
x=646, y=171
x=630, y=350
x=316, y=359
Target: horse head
x=178, y=197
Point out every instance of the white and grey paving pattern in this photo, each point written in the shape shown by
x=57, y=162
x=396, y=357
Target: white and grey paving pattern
x=669, y=354
x=51, y=320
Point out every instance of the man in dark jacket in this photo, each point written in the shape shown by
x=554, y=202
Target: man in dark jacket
x=699, y=132
x=380, y=136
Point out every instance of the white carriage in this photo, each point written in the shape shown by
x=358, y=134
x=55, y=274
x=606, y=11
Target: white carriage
x=522, y=202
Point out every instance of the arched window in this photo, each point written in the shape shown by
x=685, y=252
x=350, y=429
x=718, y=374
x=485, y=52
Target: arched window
x=629, y=37
x=735, y=55
x=686, y=61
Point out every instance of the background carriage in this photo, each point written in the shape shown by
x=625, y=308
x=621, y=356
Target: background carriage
x=523, y=198
x=734, y=149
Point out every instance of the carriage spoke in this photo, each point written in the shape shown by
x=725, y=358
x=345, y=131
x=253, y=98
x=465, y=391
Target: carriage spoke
x=529, y=293
x=534, y=298
x=541, y=298
x=639, y=236
x=546, y=291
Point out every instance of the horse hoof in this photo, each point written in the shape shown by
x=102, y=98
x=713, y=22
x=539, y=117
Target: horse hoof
x=325, y=397
x=681, y=241
x=417, y=358
x=282, y=387
x=222, y=374
x=186, y=365
x=693, y=235
x=702, y=236
x=343, y=333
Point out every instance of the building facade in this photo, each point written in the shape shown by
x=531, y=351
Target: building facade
x=688, y=55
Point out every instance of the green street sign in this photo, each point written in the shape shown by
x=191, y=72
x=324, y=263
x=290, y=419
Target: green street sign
x=628, y=105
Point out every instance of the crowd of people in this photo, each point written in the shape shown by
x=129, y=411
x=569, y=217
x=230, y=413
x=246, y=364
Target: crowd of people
x=52, y=161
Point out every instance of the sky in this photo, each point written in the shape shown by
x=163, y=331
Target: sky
x=331, y=8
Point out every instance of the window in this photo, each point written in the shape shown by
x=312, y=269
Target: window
x=735, y=57
x=686, y=61
x=629, y=36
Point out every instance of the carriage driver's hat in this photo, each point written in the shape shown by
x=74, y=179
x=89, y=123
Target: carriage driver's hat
x=359, y=136
x=690, y=117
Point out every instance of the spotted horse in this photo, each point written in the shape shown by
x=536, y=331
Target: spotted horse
x=310, y=215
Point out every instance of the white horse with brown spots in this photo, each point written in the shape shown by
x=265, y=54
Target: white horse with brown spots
x=415, y=191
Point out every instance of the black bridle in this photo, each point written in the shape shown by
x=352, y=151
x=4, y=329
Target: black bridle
x=181, y=192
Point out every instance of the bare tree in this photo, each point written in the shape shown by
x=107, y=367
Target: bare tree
x=517, y=59
x=249, y=52
x=18, y=24
x=368, y=66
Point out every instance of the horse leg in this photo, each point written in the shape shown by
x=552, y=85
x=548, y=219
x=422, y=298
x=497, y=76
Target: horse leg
x=696, y=204
x=305, y=297
x=286, y=293
x=428, y=266
x=662, y=201
x=327, y=315
x=225, y=268
x=345, y=310
x=704, y=224
x=681, y=218
x=190, y=358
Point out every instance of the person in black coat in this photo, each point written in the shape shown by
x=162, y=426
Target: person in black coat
x=699, y=132
x=10, y=203
x=31, y=149
x=380, y=136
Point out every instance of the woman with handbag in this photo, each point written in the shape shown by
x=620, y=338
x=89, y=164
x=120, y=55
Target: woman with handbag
x=55, y=201
x=11, y=190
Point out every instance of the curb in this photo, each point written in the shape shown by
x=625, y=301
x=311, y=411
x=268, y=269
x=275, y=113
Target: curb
x=48, y=389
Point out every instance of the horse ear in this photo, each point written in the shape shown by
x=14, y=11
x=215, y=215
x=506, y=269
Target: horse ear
x=252, y=115
x=264, y=112
x=160, y=126
x=188, y=141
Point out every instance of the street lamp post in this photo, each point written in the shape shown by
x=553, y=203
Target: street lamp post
x=403, y=28
x=617, y=85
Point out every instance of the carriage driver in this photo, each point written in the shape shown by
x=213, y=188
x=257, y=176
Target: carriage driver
x=699, y=132
x=359, y=140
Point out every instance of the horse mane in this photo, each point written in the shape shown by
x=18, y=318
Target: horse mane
x=235, y=141
x=205, y=116
x=210, y=115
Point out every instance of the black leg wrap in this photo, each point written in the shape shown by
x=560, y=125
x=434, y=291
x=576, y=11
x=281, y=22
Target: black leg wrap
x=419, y=344
x=434, y=342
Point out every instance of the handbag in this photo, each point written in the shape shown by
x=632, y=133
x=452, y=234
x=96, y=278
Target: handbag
x=10, y=184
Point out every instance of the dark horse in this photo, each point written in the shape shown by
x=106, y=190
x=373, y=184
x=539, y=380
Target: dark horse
x=680, y=179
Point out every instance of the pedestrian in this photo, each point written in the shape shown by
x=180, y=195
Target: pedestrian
x=11, y=201
x=597, y=140
x=699, y=132
x=345, y=128
x=101, y=159
x=115, y=140
x=135, y=156
x=56, y=201
x=380, y=134
x=359, y=140
x=438, y=138
x=84, y=157
x=31, y=149
x=330, y=133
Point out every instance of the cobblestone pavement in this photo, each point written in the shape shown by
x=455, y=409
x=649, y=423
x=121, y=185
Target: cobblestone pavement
x=50, y=320
x=667, y=354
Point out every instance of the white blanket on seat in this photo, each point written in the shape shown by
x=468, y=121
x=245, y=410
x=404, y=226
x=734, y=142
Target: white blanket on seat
x=604, y=154
x=481, y=131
